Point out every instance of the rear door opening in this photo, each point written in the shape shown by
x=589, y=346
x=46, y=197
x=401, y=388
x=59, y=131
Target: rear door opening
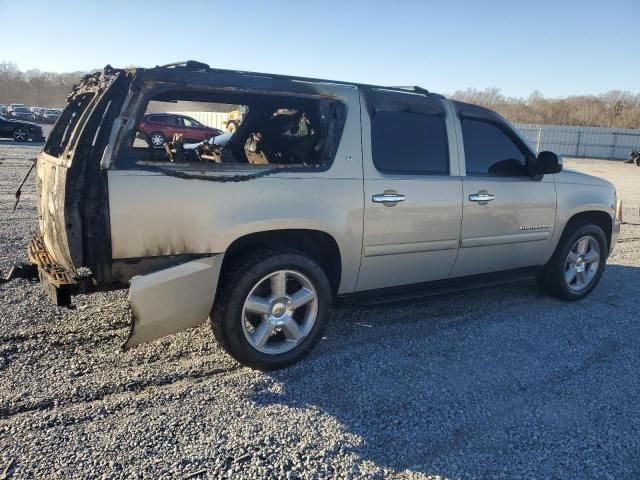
x=71, y=188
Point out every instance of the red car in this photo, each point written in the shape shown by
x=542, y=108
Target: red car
x=160, y=127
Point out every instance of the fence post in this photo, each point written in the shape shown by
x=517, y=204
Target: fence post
x=578, y=143
x=538, y=141
x=613, y=147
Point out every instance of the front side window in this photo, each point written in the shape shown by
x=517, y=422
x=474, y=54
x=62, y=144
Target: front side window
x=409, y=143
x=489, y=150
x=188, y=122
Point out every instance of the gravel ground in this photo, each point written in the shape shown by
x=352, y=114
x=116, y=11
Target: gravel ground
x=496, y=383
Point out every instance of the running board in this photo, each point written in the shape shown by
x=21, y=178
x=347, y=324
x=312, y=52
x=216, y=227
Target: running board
x=439, y=287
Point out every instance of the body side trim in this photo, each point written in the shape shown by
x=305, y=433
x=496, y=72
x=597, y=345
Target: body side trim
x=504, y=239
x=413, y=247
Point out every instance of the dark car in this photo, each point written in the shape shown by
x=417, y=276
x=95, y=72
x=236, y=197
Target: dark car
x=20, y=131
x=51, y=115
x=160, y=127
x=20, y=113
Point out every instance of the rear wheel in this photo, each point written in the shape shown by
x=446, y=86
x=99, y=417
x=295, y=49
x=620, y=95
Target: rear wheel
x=577, y=264
x=20, y=134
x=272, y=308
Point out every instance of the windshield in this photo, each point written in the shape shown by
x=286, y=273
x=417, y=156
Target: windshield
x=52, y=112
x=21, y=110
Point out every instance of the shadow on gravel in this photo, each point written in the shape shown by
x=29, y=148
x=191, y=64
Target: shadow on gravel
x=13, y=143
x=510, y=383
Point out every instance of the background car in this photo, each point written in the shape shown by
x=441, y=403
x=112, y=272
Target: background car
x=51, y=115
x=20, y=131
x=160, y=127
x=38, y=113
x=20, y=112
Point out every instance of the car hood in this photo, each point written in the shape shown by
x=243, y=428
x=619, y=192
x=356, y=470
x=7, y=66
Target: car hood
x=572, y=176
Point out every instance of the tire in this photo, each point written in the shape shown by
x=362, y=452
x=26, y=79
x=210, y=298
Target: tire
x=20, y=134
x=573, y=278
x=157, y=139
x=638, y=160
x=254, y=275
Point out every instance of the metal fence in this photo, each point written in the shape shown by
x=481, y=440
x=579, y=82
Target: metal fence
x=589, y=142
x=210, y=119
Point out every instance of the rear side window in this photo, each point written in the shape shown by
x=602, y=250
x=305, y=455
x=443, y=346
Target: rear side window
x=263, y=131
x=168, y=120
x=489, y=150
x=409, y=143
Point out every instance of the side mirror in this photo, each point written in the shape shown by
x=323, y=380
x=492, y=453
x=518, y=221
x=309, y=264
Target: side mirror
x=545, y=162
x=549, y=162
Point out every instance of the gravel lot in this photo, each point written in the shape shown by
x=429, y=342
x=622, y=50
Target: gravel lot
x=495, y=383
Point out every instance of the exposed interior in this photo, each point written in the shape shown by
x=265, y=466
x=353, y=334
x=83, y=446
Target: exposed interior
x=214, y=130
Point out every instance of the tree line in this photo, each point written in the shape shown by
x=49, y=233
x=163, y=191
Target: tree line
x=34, y=87
x=614, y=109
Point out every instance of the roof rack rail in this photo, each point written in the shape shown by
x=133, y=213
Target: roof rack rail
x=188, y=64
x=414, y=88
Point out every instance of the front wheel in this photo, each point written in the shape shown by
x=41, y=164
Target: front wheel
x=272, y=308
x=577, y=264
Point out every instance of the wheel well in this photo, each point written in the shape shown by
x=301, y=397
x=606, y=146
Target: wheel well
x=320, y=246
x=601, y=219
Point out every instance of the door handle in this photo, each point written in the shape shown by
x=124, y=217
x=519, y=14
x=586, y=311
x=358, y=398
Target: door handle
x=388, y=198
x=482, y=197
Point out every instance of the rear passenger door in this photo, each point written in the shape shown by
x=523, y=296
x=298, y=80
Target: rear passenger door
x=508, y=217
x=412, y=187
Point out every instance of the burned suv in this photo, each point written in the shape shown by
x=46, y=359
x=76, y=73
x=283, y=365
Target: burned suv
x=325, y=190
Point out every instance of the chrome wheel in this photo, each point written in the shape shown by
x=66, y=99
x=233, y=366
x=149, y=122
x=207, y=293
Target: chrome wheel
x=157, y=140
x=582, y=263
x=279, y=312
x=20, y=135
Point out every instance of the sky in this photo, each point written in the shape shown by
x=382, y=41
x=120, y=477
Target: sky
x=558, y=47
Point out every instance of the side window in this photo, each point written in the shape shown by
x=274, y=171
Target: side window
x=187, y=122
x=490, y=151
x=409, y=143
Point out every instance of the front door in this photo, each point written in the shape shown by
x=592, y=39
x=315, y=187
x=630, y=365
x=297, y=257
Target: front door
x=412, y=209
x=508, y=217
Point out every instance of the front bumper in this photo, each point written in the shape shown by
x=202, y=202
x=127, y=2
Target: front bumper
x=615, y=228
x=615, y=231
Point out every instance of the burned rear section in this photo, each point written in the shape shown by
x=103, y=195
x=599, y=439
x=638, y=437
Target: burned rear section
x=72, y=250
